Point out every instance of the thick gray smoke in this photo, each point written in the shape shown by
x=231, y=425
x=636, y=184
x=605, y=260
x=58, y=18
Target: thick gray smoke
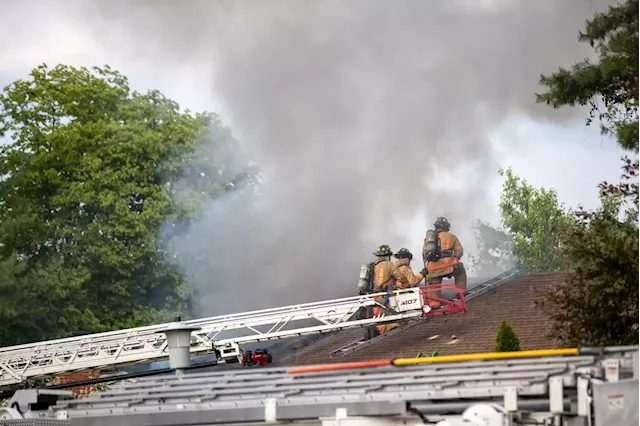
x=361, y=115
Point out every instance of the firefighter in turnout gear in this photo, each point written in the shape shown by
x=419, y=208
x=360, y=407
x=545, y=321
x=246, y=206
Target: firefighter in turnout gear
x=404, y=257
x=441, y=253
x=386, y=276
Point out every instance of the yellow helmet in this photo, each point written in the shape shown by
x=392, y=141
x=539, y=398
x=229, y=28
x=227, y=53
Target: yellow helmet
x=383, y=251
x=442, y=224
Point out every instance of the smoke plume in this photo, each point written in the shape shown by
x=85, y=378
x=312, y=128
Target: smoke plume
x=361, y=116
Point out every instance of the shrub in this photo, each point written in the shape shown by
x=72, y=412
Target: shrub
x=506, y=340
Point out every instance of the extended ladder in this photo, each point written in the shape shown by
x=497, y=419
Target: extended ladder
x=141, y=344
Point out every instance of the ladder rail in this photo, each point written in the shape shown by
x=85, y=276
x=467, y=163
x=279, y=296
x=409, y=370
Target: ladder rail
x=150, y=351
x=141, y=344
x=253, y=315
x=212, y=324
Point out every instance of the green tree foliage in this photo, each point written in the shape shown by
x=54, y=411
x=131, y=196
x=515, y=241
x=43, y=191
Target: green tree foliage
x=506, y=339
x=40, y=303
x=86, y=184
x=494, y=250
x=609, y=86
x=533, y=217
x=599, y=304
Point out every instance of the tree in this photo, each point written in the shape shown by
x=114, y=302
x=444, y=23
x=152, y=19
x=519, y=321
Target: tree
x=506, y=339
x=39, y=304
x=599, y=304
x=612, y=81
x=533, y=217
x=84, y=190
x=495, y=250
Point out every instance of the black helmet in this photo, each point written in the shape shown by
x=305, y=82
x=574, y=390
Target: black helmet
x=383, y=251
x=404, y=253
x=442, y=224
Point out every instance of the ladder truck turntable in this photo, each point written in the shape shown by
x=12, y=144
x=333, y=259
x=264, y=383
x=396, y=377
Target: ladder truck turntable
x=565, y=387
x=151, y=343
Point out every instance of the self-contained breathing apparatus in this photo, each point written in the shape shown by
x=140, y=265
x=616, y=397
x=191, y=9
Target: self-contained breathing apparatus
x=365, y=286
x=365, y=283
x=432, y=245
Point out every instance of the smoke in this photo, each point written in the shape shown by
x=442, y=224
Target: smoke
x=494, y=251
x=361, y=115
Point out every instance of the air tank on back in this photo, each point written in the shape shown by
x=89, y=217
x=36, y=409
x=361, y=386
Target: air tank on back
x=431, y=241
x=364, y=280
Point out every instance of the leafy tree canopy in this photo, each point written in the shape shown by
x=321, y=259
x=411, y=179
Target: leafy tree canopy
x=609, y=86
x=533, y=217
x=599, y=304
x=86, y=182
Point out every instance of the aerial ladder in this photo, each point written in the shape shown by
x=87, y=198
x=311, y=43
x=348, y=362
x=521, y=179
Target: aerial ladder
x=150, y=343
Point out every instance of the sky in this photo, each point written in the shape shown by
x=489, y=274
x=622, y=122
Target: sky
x=369, y=120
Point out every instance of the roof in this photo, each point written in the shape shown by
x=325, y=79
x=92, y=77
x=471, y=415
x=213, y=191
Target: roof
x=474, y=332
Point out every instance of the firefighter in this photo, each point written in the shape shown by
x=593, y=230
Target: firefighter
x=443, y=259
x=386, y=276
x=404, y=257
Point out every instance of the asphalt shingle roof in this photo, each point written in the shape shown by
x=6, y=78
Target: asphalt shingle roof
x=474, y=332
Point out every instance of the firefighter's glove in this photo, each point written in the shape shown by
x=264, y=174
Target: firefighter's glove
x=424, y=272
